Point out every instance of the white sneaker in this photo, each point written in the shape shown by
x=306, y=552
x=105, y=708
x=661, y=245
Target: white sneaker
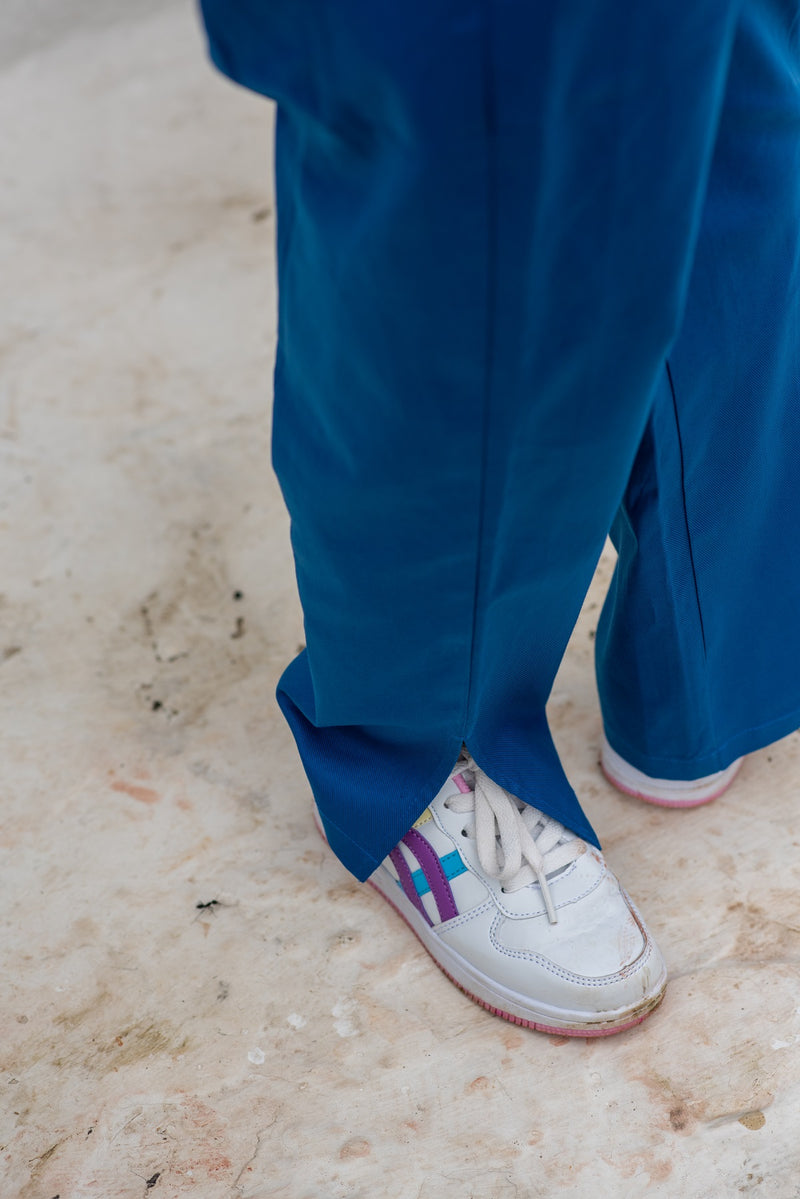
x=667, y=793
x=521, y=914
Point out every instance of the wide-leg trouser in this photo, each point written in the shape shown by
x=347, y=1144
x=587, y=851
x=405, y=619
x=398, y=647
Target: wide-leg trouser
x=539, y=264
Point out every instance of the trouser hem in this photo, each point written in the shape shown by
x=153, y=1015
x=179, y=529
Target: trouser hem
x=747, y=741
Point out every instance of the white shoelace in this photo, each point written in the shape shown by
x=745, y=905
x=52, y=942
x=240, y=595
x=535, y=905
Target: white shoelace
x=516, y=844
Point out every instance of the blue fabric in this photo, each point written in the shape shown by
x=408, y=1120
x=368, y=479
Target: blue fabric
x=535, y=261
x=698, y=648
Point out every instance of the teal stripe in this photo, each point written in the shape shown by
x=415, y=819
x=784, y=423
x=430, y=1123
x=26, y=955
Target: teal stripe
x=452, y=865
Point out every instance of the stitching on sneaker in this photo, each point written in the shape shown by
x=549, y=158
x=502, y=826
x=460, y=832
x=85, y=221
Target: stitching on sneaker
x=561, y=971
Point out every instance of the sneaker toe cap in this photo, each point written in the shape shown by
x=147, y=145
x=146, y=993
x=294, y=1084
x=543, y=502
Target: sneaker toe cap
x=595, y=937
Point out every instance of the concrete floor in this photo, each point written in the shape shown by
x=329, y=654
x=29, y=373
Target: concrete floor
x=198, y=1000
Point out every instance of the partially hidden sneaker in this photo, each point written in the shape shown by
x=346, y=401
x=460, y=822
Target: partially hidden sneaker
x=521, y=914
x=666, y=793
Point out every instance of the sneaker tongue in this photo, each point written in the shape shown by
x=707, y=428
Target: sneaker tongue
x=462, y=784
x=464, y=779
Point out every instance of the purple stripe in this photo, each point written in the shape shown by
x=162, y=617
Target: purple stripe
x=407, y=882
x=428, y=859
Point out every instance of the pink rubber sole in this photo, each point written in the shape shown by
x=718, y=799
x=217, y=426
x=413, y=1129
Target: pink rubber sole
x=669, y=803
x=553, y=1029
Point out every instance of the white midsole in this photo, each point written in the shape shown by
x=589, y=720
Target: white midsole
x=677, y=791
x=494, y=993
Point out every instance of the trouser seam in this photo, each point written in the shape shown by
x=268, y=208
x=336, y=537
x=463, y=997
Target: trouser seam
x=686, y=510
x=690, y=550
x=490, y=125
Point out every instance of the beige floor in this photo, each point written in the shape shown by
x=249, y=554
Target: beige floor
x=198, y=1000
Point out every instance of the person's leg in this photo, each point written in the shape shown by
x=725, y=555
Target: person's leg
x=486, y=222
x=698, y=648
x=487, y=214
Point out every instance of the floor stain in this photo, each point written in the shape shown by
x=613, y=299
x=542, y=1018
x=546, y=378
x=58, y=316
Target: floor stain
x=142, y=1041
x=142, y=794
x=679, y=1114
x=679, y=1117
x=109, y=1051
x=763, y=936
x=355, y=1147
x=481, y=1083
x=753, y=1120
x=74, y=1019
x=213, y=1160
x=658, y=1169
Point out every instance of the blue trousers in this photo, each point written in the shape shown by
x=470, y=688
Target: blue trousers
x=539, y=280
